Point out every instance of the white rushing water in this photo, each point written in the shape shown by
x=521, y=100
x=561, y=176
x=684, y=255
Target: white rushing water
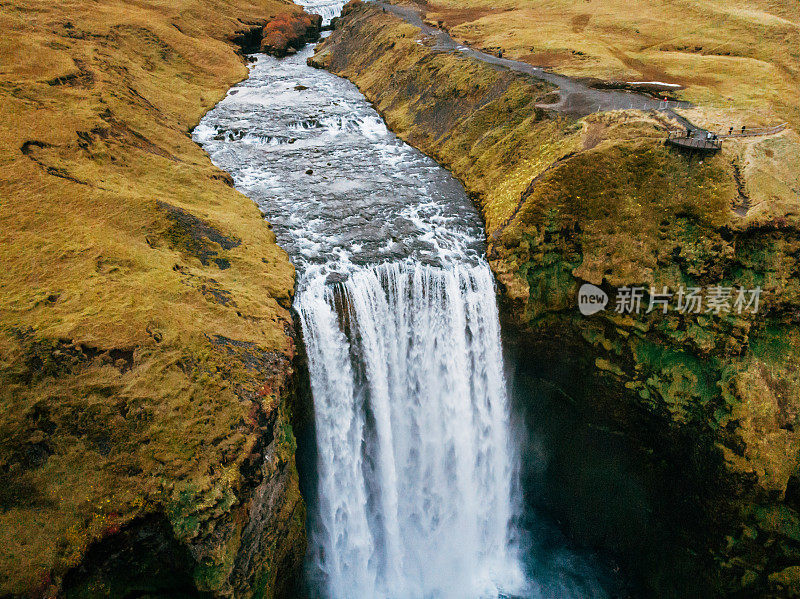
x=327, y=9
x=416, y=494
x=415, y=468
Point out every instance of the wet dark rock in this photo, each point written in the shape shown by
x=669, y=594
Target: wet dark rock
x=194, y=235
x=143, y=558
x=217, y=295
x=335, y=277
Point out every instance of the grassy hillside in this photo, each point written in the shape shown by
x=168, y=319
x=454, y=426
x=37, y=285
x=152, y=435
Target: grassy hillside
x=145, y=336
x=742, y=57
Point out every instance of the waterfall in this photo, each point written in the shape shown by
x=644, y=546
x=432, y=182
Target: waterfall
x=415, y=468
x=415, y=489
x=327, y=9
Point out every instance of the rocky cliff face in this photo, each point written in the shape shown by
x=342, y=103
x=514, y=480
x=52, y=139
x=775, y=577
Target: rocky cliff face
x=146, y=342
x=710, y=399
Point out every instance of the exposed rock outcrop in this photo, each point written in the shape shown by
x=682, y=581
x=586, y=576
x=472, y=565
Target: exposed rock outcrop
x=287, y=35
x=711, y=398
x=278, y=36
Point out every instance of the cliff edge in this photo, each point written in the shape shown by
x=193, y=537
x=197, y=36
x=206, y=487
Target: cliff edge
x=146, y=342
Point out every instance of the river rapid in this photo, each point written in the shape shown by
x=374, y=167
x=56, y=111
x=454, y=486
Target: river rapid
x=416, y=491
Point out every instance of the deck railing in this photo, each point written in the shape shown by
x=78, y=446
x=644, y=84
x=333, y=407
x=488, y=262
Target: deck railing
x=746, y=132
x=679, y=138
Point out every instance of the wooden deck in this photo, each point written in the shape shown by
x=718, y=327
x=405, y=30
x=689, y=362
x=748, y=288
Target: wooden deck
x=694, y=144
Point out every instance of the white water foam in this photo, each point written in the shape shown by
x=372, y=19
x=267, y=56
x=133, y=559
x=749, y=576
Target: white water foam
x=415, y=463
x=340, y=189
x=327, y=9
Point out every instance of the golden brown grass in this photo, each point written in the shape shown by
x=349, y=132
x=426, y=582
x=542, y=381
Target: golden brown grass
x=728, y=55
x=96, y=103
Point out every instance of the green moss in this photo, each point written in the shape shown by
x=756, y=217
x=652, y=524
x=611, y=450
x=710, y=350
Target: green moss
x=286, y=440
x=775, y=343
x=263, y=588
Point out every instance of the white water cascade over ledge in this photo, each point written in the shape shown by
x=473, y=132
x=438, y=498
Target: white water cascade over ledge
x=415, y=468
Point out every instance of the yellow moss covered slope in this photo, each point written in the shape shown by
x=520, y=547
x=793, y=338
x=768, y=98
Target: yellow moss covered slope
x=145, y=336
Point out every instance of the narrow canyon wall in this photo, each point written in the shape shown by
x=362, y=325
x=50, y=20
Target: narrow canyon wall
x=146, y=343
x=712, y=400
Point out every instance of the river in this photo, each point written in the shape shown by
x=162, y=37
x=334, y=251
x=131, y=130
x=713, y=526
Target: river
x=417, y=492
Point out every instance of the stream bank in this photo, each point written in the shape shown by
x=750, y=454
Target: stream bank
x=146, y=336
x=707, y=403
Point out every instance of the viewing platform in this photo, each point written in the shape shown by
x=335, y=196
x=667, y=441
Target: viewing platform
x=701, y=143
x=706, y=142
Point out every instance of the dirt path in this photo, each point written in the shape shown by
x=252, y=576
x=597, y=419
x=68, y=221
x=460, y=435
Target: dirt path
x=577, y=98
